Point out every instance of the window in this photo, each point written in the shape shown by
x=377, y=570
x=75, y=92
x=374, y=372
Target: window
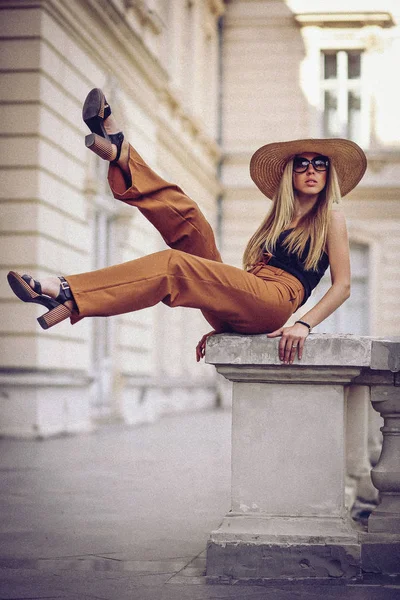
x=342, y=102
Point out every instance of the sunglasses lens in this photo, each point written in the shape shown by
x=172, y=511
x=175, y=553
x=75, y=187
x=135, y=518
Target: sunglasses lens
x=320, y=163
x=300, y=164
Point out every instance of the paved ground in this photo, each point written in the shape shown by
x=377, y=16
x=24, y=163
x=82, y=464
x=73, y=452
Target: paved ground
x=124, y=514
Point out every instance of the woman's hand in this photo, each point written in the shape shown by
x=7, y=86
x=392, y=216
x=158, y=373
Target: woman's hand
x=292, y=341
x=201, y=346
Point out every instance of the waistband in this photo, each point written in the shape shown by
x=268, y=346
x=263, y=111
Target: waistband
x=278, y=275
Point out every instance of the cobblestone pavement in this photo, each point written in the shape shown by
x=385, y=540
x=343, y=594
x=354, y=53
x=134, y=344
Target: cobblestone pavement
x=125, y=514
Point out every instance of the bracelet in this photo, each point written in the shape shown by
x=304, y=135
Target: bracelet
x=306, y=324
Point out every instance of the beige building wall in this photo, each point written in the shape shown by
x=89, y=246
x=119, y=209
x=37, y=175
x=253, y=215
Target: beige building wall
x=58, y=216
x=273, y=90
x=158, y=63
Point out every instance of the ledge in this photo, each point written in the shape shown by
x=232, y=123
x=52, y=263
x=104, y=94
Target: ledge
x=347, y=19
x=321, y=349
x=327, y=358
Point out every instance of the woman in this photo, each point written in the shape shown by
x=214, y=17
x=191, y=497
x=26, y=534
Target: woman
x=283, y=262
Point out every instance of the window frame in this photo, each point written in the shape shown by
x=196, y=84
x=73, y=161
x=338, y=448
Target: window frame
x=342, y=85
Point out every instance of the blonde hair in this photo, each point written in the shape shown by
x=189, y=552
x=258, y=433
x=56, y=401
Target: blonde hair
x=313, y=227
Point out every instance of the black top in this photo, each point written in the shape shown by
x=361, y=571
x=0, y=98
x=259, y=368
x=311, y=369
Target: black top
x=290, y=262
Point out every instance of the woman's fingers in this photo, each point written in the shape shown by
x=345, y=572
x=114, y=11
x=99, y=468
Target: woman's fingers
x=290, y=346
x=201, y=346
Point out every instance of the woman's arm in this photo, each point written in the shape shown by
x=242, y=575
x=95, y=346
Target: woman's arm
x=293, y=337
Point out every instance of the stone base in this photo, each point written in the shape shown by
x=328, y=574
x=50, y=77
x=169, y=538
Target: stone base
x=39, y=404
x=380, y=554
x=251, y=548
x=386, y=517
x=252, y=563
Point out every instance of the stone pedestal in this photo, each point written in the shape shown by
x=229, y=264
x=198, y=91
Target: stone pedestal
x=288, y=517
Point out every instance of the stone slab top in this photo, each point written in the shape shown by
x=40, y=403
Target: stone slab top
x=320, y=350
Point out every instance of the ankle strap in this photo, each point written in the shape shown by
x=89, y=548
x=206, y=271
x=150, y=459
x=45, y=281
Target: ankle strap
x=117, y=139
x=65, y=290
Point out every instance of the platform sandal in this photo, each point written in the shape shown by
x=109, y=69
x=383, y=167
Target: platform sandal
x=57, y=311
x=95, y=110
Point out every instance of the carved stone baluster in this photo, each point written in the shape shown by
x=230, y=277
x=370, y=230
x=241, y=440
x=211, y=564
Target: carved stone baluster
x=386, y=474
x=359, y=483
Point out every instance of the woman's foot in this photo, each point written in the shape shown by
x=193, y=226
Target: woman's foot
x=53, y=293
x=112, y=128
x=106, y=139
x=51, y=286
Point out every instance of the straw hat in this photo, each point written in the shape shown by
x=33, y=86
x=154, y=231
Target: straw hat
x=268, y=162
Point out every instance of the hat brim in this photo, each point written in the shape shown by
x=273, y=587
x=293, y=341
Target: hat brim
x=268, y=162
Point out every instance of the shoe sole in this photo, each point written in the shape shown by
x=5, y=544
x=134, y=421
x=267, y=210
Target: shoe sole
x=93, y=112
x=21, y=288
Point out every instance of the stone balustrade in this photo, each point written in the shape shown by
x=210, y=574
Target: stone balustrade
x=290, y=428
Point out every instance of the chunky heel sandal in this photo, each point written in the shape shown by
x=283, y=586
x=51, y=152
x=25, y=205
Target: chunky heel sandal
x=57, y=311
x=104, y=147
x=95, y=110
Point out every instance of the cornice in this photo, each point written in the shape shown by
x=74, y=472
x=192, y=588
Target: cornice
x=145, y=15
x=345, y=19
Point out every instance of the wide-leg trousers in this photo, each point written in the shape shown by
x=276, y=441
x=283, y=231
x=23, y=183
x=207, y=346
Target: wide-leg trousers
x=190, y=273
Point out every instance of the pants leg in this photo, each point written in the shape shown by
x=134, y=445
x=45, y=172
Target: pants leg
x=178, y=219
x=241, y=301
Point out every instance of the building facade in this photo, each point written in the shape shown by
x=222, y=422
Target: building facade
x=158, y=63
x=199, y=85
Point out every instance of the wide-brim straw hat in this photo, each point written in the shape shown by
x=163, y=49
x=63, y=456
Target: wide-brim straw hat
x=268, y=162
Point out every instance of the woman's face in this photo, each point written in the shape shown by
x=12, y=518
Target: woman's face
x=312, y=181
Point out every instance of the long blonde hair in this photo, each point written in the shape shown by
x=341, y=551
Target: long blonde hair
x=313, y=227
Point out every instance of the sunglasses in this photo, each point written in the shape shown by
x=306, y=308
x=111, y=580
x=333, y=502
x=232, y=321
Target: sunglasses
x=300, y=164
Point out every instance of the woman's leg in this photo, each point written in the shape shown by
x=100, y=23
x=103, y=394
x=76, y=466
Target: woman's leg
x=240, y=301
x=178, y=219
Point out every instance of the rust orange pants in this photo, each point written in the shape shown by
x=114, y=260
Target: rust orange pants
x=190, y=273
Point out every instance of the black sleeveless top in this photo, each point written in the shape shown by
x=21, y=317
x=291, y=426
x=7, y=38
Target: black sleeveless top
x=290, y=262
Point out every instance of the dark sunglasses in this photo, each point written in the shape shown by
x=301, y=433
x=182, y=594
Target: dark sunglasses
x=300, y=164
